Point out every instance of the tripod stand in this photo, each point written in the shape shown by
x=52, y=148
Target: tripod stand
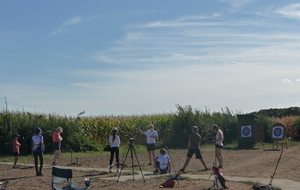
x=73, y=163
x=132, y=151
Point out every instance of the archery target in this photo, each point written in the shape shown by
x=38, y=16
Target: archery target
x=246, y=131
x=278, y=132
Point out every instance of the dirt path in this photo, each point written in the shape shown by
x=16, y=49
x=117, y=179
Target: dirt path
x=255, y=165
x=284, y=184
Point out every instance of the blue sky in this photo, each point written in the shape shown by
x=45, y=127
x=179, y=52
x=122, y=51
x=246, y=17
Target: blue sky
x=124, y=57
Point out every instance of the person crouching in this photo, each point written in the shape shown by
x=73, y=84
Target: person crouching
x=162, y=162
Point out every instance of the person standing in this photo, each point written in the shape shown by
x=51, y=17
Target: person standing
x=38, y=148
x=219, y=144
x=56, y=142
x=194, y=142
x=152, y=136
x=16, y=149
x=114, y=142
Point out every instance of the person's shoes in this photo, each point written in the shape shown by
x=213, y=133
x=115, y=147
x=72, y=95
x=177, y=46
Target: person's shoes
x=118, y=170
x=40, y=174
x=206, y=169
x=156, y=171
x=163, y=171
x=182, y=170
x=149, y=164
x=220, y=167
x=54, y=163
x=15, y=167
x=109, y=171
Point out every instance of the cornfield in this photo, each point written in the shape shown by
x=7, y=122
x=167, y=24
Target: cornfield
x=91, y=133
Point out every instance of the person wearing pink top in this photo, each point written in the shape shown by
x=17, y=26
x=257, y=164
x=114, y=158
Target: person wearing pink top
x=16, y=149
x=56, y=142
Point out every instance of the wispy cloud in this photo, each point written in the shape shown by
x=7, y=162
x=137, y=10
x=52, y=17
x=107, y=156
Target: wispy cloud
x=290, y=11
x=101, y=58
x=215, y=54
x=56, y=32
x=191, y=83
x=238, y=3
x=288, y=81
x=185, y=21
x=74, y=20
x=207, y=41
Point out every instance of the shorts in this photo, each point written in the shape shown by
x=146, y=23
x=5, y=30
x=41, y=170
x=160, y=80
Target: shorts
x=219, y=146
x=191, y=152
x=161, y=171
x=56, y=145
x=150, y=147
x=16, y=154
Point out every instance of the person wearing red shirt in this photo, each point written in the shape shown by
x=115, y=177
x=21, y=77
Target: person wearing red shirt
x=56, y=141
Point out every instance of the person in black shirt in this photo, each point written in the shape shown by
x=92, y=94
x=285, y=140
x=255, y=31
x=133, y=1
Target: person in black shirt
x=194, y=148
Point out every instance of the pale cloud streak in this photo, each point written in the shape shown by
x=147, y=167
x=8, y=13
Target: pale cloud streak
x=238, y=3
x=288, y=81
x=189, y=43
x=290, y=11
x=241, y=83
x=201, y=59
x=56, y=32
x=72, y=21
x=186, y=21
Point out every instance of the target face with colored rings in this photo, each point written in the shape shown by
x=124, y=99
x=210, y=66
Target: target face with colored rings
x=246, y=131
x=277, y=132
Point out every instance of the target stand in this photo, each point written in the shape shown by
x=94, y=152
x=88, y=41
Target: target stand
x=278, y=134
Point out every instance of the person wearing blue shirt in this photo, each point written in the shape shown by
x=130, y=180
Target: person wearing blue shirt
x=38, y=148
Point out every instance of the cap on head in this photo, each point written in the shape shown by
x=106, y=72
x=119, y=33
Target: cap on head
x=162, y=151
x=114, y=129
x=195, y=128
x=38, y=130
x=17, y=135
x=151, y=126
x=59, y=129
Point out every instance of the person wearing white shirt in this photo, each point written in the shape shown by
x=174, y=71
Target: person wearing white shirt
x=162, y=162
x=219, y=144
x=114, y=142
x=152, y=136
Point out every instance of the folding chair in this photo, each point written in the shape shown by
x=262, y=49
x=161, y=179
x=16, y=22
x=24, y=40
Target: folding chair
x=3, y=185
x=60, y=174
